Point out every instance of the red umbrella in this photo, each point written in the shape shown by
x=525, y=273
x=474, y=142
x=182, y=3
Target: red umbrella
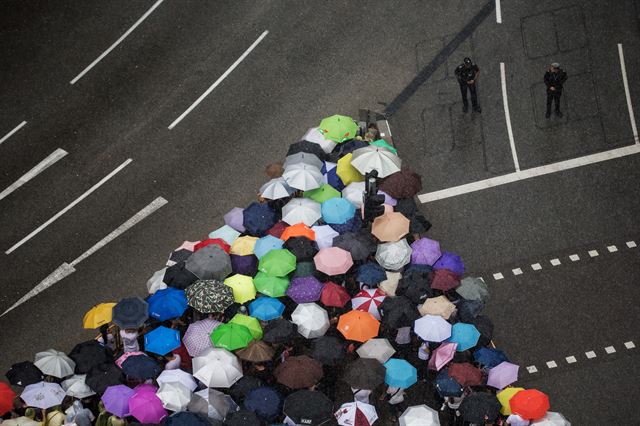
x=217, y=241
x=465, y=374
x=444, y=279
x=334, y=295
x=7, y=396
x=277, y=229
x=530, y=404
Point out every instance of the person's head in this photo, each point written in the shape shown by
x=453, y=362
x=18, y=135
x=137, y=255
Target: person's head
x=467, y=62
x=274, y=170
x=554, y=67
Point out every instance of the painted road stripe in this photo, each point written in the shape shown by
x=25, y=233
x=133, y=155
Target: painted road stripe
x=67, y=269
x=498, y=12
x=113, y=46
x=530, y=173
x=43, y=165
x=219, y=80
x=627, y=93
x=69, y=207
x=507, y=117
x=8, y=135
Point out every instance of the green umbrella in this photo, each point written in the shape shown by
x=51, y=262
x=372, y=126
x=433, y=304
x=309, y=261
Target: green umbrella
x=277, y=262
x=250, y=322
x=322, y=194
x=209, y=296
x=338, y=128
x=383, y=144
x=231, y=336
x=270, y=285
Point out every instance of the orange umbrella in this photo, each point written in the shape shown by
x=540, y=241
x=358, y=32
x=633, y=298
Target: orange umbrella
x=358, y=325
x=390, y=227
x=298, y=230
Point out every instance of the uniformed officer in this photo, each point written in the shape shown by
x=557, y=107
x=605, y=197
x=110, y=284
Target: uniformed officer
x=554, y=78
x=467, y=74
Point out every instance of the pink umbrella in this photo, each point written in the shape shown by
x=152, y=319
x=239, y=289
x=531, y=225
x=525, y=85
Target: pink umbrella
x=333, y=261
x=442, y=355
x=369, y=301
x=145, y=406
x=502, y=375
x=196, y=339
x=126, y=355
x=187, y=245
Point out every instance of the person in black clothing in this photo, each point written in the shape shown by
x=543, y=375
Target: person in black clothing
x=467, y=74
x=554, y=78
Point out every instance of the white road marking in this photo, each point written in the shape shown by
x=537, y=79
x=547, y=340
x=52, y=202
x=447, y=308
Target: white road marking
x=593, y=253
x=555, y=262
x=571, y=359
x=498, y=12
x=67, y=269
x=610, y=350
x=612, y=249
x=41, y=166
x=551, y=364
x=219, y=80
x=114, y=45
x=536, y=266
x=627, y=93
x=574, y=257
x=507, y=117
x=532, y=369
x=498, y=276
x=629, y=345
x=15, y=129
x=517, y=271
x=69, y=207
x=631, y=244
x=590, y=354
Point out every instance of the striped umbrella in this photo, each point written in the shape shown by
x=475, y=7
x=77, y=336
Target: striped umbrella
x=369, y=301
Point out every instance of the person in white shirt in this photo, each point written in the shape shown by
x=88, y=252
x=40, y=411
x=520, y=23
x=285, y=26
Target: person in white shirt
x=361, y=395
x=129, y=338
x=173, y=362
x=423, y=351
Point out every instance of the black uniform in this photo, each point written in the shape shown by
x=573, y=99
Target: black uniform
x=465, y=74
x=555, y=80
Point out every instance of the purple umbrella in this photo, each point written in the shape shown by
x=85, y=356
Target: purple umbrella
x=388, y=199
x=450, y=261
x=425, y=251
x=116, y=399
x=196, y=339
x=145, y=406
x=502, y=375
x=244, y=265
x=234, y=219
x=324, y=235
x=305, y=289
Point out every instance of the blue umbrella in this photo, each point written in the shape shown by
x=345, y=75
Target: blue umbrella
x=186, y=418
x=400, y=374
x=352, y=225
x=489, y=357
x=450, y=261
x=259, y=218
x=266, y=308
x=465, y=335
x=141, y=367
x=447, y=386
x=226, y=233
x=266, y=402
x=266, y=244
x=167, y=303
x=333, y=179
x=371, y=274
x=337, y=210
x=162, y=340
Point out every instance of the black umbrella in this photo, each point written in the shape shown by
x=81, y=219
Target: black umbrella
x=179, y=256
x=24, y=373
x=89, y=353
x=178, y=276
x=359, y=244
x=328, y=350
x=130, y=312
x=406, y=206
x=398, y=312
x=279, y=331
x=258, y=219
x=485, y=327
x=344, y=148
x=308, y=147
x=418, y=224
x=242, y=387
x=365, y=373
x=101, y=376
x=403, y=184
x=301, y=247
x=305, y=269
x=242, y=418
x=415, y=286
x=308, y=407
x=186, y=418
x=141, y=367
x=468, y=310
x=480, y=408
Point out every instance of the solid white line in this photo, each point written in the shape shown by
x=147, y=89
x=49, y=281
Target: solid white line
x=498, y=12
x=507, y=117
x=44, y=164
x=218, y=81
x=529, y=173
x=113, y=46
x=8, y=135
x=632, y=117
x=69, y=207
x=67, y=269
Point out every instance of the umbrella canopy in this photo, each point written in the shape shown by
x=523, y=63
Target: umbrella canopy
x=209, y=263
x=86, y=355
x=359, y=244
x=310, y=146
x=398, y=312
x=485, y=327
x=211, y=242
x=354, y=192
x=242, y=286
x=480, y=407
x=242, y=417
x=196, y=339
x=212, y=403
x=302, y=176
x=328, y=350
x=465, y=335
x=446, y=385
x=552, y=419
x=425, y=251
x=390, y=284
x=379, y=349
x=465, y=374
x=376, y=158
x=393, y=256
x=217, y=367
x=530, y=404
x=101, y=376
x=298, y=372
x=337, y=211
x=356, y=413
x=400, y=373
x=178, y=276
x=316, y=137
x=21, y=421
x=276, y=189
x=304, y=158
x=54, y=363
x=225, y=233
x=444, y=279
x=450, y=261
x=298, y=230
x=243, y=246
x=234, y=218
x=279, y=331
x=130, y=312
x=358, y=325
x=185, y=418
x=504, y=396
x=250, y=322
x=365, y=373
x=442, y=355
x=167, y=304
x=231, y=336
x=301, y=210
x=502, y=375
x=161, y=340
x=437, y=306
x=174, y=396
x=177, y=376
x=141, y=367
x=43, y=395
x=333, y=261
x=338, y=128
x=322, y=194
x=265, y=402
x=305, y=289
x=278, y=263
x=271, y=285
x=419, y=415
x=334, y=295
x=311, y=319
x=369, y=300
x=473, y=289
x=346, y=172
x=116, y=399
x=432, y=328
x=489, y=357
x=304, y=269
x=266, y=244
x=256, y=351
x=258, y=218
x=403, y=184
x=308, y=408
x=324, y=235
x=146, y=406
x=301, y=247
x=383, y=144
x=266, y=308
x=98, y=315
x=76, y=387
x=371, y=274
x=209, y=296
x=390, y=227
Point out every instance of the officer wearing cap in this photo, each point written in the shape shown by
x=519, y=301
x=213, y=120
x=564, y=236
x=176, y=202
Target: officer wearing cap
x=554, y=78
x=467, y=74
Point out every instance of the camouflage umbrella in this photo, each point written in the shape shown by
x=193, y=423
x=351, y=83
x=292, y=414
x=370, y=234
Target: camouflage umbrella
x=209, y=296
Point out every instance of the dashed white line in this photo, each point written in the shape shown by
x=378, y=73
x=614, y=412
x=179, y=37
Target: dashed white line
x=498, y=276
x=532, y=369
x=610, y=350
x=37, y=169
x=631, y=244
x=571, y=359
x=627, y=93
x=15, y=129
x=612, y=249
x=555, y=262
x=498, y=12
x=507, y=117
x=590, y=354
x=629, y=345
x=551, y=364
x=517, y=271
x=536, y=266
x=593, y=253
x=574, y=257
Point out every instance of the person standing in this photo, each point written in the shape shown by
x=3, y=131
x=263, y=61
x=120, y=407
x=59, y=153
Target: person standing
x=467, y=74
x=554, y=78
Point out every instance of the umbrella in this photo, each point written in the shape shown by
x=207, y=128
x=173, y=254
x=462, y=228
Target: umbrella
x=271, y=285
x=403, y=184
x=502, y=375
x=379, y=349
x=43, y=395
x=468, y=310
x=279, y=331
x=209, y=263
x=21, y=421
x=480, y=407
x=489, y=357
x=156, y=282
x=398, y=312
x=372, y=158
x=225, y=233
x=352, y=225
x=217, y=367
x=311, y=319
x=346, y=172
x=166, y=304
x=278, y=263
x=98, y=315
x=310, y=146
x=356, y=413
x=390, y=285
x=266, y=308
x=530, y=404
x=303, y=176
x=76, y=387
x=450, y=261
x=212, y=242
x=54, y=363
x=552, y=419
x=242, y=286
x=231, y=336
x=395, y=255
x=359, y=244
x=86, y=355
x=256, y=351
x=465, y=374
x=437, y=306
x=333, y=261
x=306, y=158
x=444, y=279
x=473, y=289
x=209, y=296
x=371, y=274
x=130, y=312
x=141, y=367
x=234, y=218
x=301, y=210
x=266, y=244
x=425, y=251
x=161, y=340
x=243, y=246
x=174, y=396
x=177, y=376
x=359, y=326
x=485, y=327
x=324, y=235
x=212, y=403
x=415, y=286
x=383, y=144
x=338, y=128
x=400, y=374
x=196, y=339
x=242, y=417
x=354, y=192
x=504, y=396
x=298, y=230
x=250, y=322
x=298, y=372
x=258, y=218
x=304, y=269
x=465, y=335
x=419, y=415
x=116, y=399
x=446, y=385
x=243, y=386
x=308, y=407
x=245, y=265
x=322, y=194
x=178, y=276
x=328, y=350
x=316, y=137
x=368, y=300
x=516, y=420
x=185, y=418
x=305, y=289
x=146, y=406
x=337, y=210
x=276, y=189
x=365, y=373
x=334, y=295
x=265, y=402
x=390, y=227
x=101, y=376
x=442, y=355
x=432, y=328
x=7, y=396
x=301, y=247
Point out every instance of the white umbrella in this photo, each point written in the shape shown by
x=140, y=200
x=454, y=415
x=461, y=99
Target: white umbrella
x=21, y=421
x=303, y=210
x=303, y=158
x=212, y=403
x=377, y=348
x=179, y=376
x=174, y=396
x=43, y=395
x=373, y=157
x=311, y=319
x=432, y=328
x=54, y=363
x=303, y=177
x=419, y=415
x=156, y=282
x=316, y=136
x=354, y=193
x=275, y=189
x=217, y=368
x=346, y=414
x=516, y=420
x=552, y=418
x=76, y=387
x=324, y=235
x=390, y=285
x=394, y=255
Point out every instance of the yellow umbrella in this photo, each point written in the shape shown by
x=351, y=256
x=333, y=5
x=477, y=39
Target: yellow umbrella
x=504, y=396
x=390, y=227
x=346, y=172
x=251, y=323
x=98, y=315
x=437, y=306
x=242, y=286
x=243, y=246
